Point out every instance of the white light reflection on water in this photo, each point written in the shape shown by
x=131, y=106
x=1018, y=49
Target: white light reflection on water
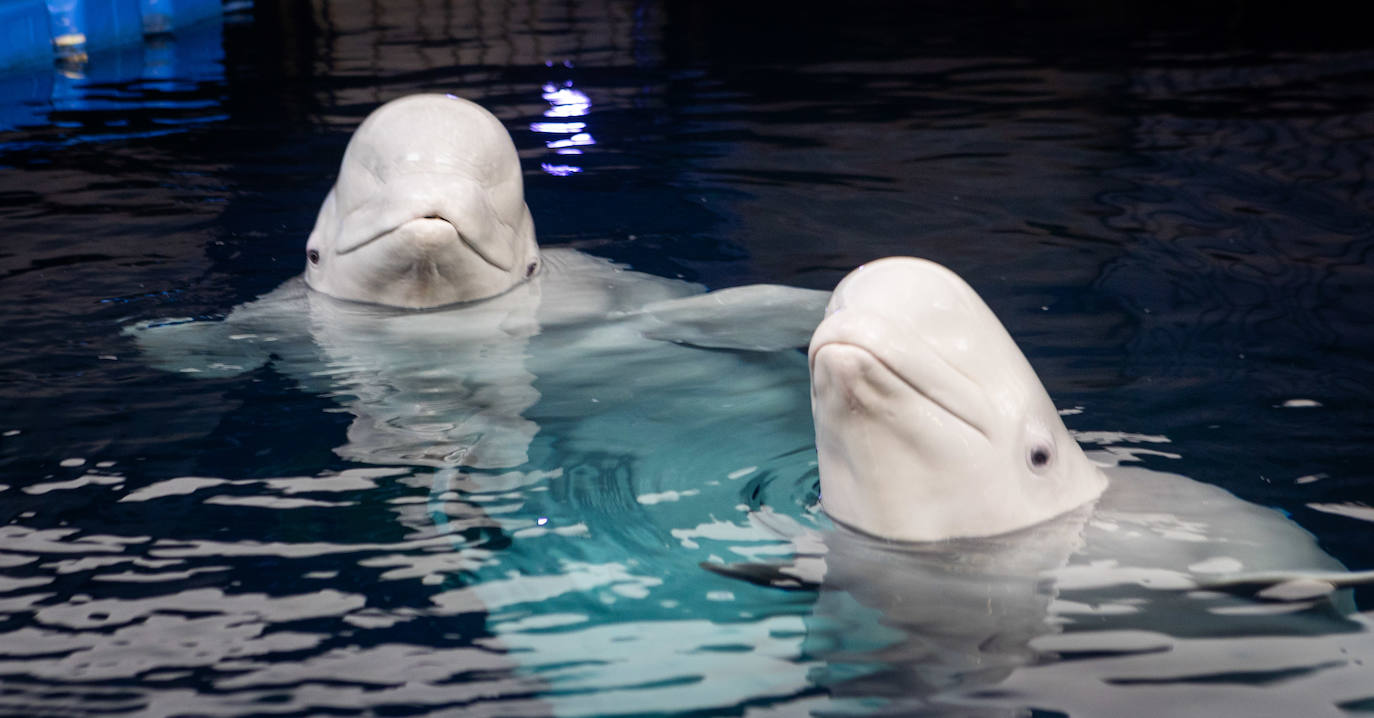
x=565, y=101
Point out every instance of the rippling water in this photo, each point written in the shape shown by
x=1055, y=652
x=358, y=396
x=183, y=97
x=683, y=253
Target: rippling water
x=1172, y=216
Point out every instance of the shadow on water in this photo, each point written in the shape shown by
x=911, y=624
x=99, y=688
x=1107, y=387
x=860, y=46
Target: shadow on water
x=1169, y=208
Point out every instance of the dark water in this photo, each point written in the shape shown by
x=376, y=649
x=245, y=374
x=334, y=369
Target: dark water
x=1170, y=210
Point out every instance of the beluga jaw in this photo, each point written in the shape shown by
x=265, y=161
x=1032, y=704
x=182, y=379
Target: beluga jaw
x=930, y=423
x=428, y=209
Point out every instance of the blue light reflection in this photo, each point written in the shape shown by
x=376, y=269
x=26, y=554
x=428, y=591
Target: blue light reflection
x=565, y=101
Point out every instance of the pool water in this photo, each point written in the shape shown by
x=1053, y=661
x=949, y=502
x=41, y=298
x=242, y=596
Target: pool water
x=1171, y=211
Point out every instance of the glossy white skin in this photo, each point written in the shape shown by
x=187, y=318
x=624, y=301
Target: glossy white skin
x=428, y=209
x=928, y=417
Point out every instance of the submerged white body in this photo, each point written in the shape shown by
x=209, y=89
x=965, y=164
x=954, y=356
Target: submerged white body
x=930, y=423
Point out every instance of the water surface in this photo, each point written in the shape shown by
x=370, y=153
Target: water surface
x=1171, y=214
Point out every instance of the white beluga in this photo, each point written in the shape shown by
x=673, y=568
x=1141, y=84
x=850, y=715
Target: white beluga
x=978, y=543
x=423, y=291
x=428, y=209
x=572, y=411
x=932, y=427
x=930, y=423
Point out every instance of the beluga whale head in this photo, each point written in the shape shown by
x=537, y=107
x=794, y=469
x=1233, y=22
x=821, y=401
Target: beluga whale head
x=930, y=422
x=428, y=209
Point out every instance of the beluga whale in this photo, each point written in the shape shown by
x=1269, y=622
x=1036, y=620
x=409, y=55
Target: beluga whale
x=980, y=561
x=930, y=422
x=932, y=426
x=552, y=419
x=427, y=306
x=428, y=209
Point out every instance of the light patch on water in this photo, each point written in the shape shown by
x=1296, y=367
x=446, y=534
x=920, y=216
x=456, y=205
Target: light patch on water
x=72, y=462
x=412, y=671
x=89, y=563
x=1217, y=564
x=136, y=577
x=8, y=560
x=429, y=564
x=483, y=483
x=179, y=486
x=538, y=622
x=1106, y=438
x=1270, y=675
x=343, y=481
x=370, y=618
x=575, y=577
x=27, y=540
x=159, y=642
x=78, y=482
x=275, y=502
x=721, y=531
x=1107, y=573
x=1125, y=454
x=1262, y=609
x=1123, y=641
x=558, y=128
x=8, y=584
x=665, y=666
x=720, y=595
x=1298, y=589
x=1309, y=479
x=1162, y=525
x=1298, y=404
x=347, y=480
x=651, y=499
x=1349, y=510
x=741, y=473
x=1074, y=608
x=631, y=590
x=168, y=548
x=26, y=602
x=118, y=611
x=577, y=529
x=12, y=432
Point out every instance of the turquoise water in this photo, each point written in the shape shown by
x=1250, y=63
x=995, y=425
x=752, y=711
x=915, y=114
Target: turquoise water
x=1172, y=215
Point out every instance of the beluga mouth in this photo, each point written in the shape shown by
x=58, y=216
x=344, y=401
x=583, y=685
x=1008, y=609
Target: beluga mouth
x=432, y=228
x=852, y=364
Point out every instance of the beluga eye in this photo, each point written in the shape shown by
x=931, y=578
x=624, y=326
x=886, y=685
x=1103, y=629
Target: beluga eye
x=1040, y=457
x=313, y=255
